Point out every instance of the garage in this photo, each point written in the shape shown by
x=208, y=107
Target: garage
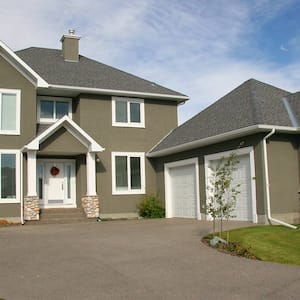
x=182, y=189
x=245, y=209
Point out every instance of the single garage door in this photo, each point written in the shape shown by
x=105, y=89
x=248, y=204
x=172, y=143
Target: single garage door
x=183, y=193
x=242, y=176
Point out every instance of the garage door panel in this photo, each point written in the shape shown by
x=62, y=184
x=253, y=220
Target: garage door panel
x=241, y=176
x=183, y=191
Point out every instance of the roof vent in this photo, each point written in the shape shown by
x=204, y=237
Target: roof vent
x=70, y=46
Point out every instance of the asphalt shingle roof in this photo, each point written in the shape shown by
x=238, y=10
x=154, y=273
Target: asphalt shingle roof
x=51, y=66
x=251, y=103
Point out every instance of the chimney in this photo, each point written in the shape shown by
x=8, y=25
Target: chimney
x=70, y=46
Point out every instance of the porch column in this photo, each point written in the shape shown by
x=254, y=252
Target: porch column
x=91, y=174
x=31, y=173
x=31, y=200
x=90, y=202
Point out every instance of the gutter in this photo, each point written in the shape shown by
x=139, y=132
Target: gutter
x=220, y=138
x=266, y=169
x=21, y=187
x=78, y=89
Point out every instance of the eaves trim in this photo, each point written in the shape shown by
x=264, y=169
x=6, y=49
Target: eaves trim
x=79, y=89
x=222, y=137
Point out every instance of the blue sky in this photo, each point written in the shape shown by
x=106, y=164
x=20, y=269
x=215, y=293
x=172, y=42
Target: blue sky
x=203, y=49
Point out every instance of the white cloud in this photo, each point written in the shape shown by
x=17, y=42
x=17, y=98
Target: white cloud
x=200, y=48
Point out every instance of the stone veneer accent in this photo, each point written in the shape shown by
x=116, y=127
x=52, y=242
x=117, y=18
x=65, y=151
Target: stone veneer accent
x=31, y=208
x=90, y=205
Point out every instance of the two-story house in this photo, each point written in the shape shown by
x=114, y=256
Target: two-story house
x=75, y=132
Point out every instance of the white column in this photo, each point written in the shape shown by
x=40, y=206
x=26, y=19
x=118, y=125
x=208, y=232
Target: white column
x=91, y=174
x=31, y=173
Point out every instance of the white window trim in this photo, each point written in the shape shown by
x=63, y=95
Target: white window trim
x=18, y=111
x=129, y=191
x=54, y=99
x=128, y=124
x=226, y=154
x=18, y=177
x=168, y=184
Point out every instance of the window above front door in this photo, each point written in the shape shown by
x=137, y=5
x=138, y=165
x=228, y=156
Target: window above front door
x=50, y=109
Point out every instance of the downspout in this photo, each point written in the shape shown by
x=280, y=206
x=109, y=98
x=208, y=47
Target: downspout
x=21, y=187
x=266, y=169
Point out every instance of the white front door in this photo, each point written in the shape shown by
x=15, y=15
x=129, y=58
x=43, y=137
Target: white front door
x=56, y=183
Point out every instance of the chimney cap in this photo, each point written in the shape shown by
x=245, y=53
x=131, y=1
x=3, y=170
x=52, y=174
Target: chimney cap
x=71, y=34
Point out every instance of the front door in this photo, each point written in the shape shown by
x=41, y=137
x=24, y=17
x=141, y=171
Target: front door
x=56, y=183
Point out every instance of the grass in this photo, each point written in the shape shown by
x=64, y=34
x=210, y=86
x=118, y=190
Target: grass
x=269, y=243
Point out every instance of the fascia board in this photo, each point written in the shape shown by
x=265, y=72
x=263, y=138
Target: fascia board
x=40, y=81
x=118, y=92
x=222, y=137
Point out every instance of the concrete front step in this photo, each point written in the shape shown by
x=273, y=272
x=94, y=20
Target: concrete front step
x=62, y=216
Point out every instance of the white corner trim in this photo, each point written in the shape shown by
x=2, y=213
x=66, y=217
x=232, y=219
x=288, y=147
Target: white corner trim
x=128, y=191
x=168, y=185
x=40, y=81
x=73, y=128
x=226, y=154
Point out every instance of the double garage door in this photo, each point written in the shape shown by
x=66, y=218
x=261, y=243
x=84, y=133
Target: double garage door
x=182, y=188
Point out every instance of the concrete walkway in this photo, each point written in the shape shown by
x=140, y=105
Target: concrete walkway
x=148, y=259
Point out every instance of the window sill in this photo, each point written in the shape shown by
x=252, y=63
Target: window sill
x=9, y=133
x=129, y=125
x=137, y=192
x=8, y=201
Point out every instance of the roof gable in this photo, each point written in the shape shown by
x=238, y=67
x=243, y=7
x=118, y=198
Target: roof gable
x=72, y=128
x=21, y=66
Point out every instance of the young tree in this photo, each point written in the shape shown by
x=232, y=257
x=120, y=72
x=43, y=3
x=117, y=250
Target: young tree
x=222, y=193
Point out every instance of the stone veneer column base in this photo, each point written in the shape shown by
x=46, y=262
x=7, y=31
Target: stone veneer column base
x=31, y=208
x=90, y=205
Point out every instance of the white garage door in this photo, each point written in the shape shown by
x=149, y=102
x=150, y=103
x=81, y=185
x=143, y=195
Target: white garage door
x=242, y=176
x=183, y=193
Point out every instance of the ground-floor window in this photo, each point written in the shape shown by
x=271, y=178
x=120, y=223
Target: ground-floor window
x=9, y=174
x=128, y=173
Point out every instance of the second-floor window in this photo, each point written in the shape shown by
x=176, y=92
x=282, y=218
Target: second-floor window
x=51, y=109
x=128, y=112
x=10, y=101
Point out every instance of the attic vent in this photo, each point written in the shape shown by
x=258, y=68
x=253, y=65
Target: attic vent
x=70, y=46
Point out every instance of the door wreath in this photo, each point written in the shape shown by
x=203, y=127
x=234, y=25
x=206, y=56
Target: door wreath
x=54, y=171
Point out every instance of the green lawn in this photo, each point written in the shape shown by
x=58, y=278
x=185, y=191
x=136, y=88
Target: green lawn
x=270, y=243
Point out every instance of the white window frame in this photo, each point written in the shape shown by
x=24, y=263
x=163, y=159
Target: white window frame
x=18, y=110
x=241, y=151
x=129, y=191
x=141, y=124
x=18, y=176
x=54, y=99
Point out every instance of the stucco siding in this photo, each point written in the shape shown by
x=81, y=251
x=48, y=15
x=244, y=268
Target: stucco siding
x=95, y=116
x=283, y=174
x=10, y=78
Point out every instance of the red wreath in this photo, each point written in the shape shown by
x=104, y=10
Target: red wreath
x=54, y=171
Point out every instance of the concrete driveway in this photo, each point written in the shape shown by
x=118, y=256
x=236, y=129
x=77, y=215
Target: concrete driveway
x=148, y=259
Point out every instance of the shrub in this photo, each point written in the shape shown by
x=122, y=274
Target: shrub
x=151, y=207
